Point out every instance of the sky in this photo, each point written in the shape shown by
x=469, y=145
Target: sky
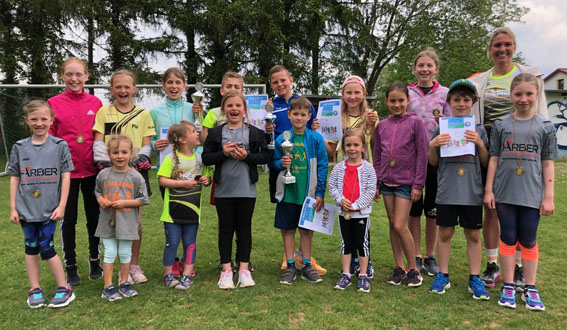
x=542, y=37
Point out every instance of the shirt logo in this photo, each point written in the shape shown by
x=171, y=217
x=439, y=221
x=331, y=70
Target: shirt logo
x=90, y=112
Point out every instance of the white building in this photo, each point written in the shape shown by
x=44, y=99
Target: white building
x=555, y=85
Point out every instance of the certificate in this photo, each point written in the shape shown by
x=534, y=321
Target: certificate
x=329, y=116
x=167, y=150
x=256, y=109
x=321, y=221
x=456, y=127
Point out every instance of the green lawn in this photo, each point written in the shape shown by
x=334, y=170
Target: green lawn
x=270, y=304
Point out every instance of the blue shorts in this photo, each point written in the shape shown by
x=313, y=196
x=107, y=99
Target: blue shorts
x=287, y=215
x=39, y=238
x=403, y=191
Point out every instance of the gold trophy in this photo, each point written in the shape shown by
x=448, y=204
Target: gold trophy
x=286, y=147
x=270, y=118
x=198, y=98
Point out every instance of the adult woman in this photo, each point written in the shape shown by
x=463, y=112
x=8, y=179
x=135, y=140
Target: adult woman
x=494, y=102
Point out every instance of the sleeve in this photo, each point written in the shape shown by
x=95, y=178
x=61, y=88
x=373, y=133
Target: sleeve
x=421, y=155
x=100, y=120
x=549, y=149
x=482, y=133
x=99, y=187
x=14, y=164
x=322, y=165
x=369, y=190
x=166, y=167
x=65, y=162
x=377, y=152
x=260, y=155
x=495, y=145
x=55, y=125
x=333, y=184
x=149, y=128
x=208, y=171
x=141, y=192
x=210, y=119
x=212, y=150
x=313, y=116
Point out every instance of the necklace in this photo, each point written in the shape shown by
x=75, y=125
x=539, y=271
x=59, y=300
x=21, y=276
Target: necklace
x=233, y=136
x=392, y=162
x=169, y=113
x=36, y=193
x=115, y=196
x=347, y=214
x=520, y=170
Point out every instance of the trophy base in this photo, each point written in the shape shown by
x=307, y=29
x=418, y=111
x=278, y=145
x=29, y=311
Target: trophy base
x=288, y=179
x=270, y=147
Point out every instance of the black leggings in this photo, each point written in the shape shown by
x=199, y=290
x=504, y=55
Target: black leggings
x=87, y=187
x=235, y=214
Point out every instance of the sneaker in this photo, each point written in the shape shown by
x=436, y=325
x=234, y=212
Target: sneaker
x=370, y=270
x=129, y=280
x=63, y=297
x=288, y=275
x=507, y=297
x=363, y=284
x=35, y=298
x=419, y=263
x=320, y=270
x=72, y=275
x=491, y=275
x=137, y=274
x=225, y=280
x=397, y=277
x=343, y=282
x=519, y=279
x=310, y=274
x=440, y=283
x=177, y=268
x=284, y=263
x=169, y=280
x=531, y=297
x=185, y=282
x=476, y=287
x=126, y=290
x=245, y=279
x=414, y=278
x=430, y=265
x=354, y=267
x=110, y=293
x=95, y=272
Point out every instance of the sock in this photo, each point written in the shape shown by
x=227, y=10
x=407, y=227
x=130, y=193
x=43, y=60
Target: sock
x=519, y=258
x=305, y=261
x=491, y=255
x=290, y=263
x=510, y=284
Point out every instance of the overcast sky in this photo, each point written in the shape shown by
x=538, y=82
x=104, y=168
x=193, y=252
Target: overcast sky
x=542, y=38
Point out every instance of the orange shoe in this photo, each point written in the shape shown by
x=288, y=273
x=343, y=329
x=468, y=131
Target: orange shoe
x=299, y=265
x=284, y=262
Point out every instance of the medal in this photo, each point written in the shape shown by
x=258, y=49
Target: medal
x=392, y=163
x=436, y=112
x=36, y=193
x=461, y=172
x=520, y=171
x=112, y=223
x=347, y=215
x=80, y=139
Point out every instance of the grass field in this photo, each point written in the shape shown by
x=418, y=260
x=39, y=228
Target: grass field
x=270, y=304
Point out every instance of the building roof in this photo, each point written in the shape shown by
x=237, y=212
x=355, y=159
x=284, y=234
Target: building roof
x=562, y=70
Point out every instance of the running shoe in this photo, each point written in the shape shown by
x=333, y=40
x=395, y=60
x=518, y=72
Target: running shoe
x=288, y=275
x=476, y=287
x=440, y=283
x=110, y=293
x=63, y=297
x=72, y=275
x=419, y=263
x=370, y=270
x=137, y=274
x=185, y=282
x=225, y=280
x=519, y=279
x=363, y=284
x=507, y=296
x=397, y=277
x=177, y=268
x=414, y=278
x=245, y=279
x=491, y=274
x=310, y=274
x=169, y=280
x=299, y=259
x=126, y=290
x=95, y=272
x=531, y=297
x=35, y=298
x=343, y=282
x=430, y=265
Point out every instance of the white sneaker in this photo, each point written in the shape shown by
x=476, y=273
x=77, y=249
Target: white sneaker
x=225, y=281
x=137, y=274
x=245, y=279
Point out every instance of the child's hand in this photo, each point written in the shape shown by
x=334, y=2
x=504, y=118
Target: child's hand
x=239, y=153
x=120, y=204
x=319, y=203
x=440, y=115
x=474, y=137
x=372, y=117
x=489, y=200
x=57, y=214
x=161, y=144
x=440, y=140
x=286, y=161
x=377, y=195
x=346, y=204
x=227, y=148
x=415, y=195
x=205, y=180
x=15, y=216
x=270, y=127
x=316, y=124
x=197, y=107
x=188, y=184
x=104, y=203
x=547, y=207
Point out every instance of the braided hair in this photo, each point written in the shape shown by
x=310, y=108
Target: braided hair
x=175, y=132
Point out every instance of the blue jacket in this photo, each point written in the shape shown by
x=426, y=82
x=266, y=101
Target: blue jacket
x=317, y=165
x=281, y=108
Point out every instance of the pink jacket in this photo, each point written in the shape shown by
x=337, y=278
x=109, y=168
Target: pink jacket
x=74, y=117
x=424, y=105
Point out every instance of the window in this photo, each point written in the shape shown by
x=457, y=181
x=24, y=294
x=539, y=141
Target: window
x=560, y=83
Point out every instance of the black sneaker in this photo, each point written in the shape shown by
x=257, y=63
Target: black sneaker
x=95, y=272
x=72, y=275
x=430, y=265
x=419, y=263
x=370, y=270
x=491, y=275
x=309, y=273
x=397, y=277
x=414, y=278
x=519, y=279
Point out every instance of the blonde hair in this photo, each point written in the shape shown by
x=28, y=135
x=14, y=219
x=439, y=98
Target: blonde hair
x=230, y=94
x=123, y=72
x=175, y=132
x=74, y=60
x=362, y=108
x=522, y=78
x=501, y=30
x=35, y=105
x=176, y=72
x=113, y=142
x=429, y=52
x=232, y=74
x=355, y=132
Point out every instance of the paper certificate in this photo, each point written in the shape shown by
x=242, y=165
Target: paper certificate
x=329, y=116
x=456, y=127
x=322, y=221
x=256, y=109
x=167, y=150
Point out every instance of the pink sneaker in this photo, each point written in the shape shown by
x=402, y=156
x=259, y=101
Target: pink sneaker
x=225, y=281
x=137, y=274
x=177, y=268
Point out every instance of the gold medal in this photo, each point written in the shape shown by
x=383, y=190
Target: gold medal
x=520, y=171
x=80, y=139
x=347, y=216
x=461, y=172
x=436, y=112
x=112, y=223
x=36, y=193
x=392, y=163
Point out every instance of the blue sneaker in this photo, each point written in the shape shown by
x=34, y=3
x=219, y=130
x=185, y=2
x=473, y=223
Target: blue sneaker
x=370, y=270
x=507, y=296
x=440, y=283
x=532, y=300
x=126, y=290
x=343, y=282
x=110, y=293
x=63, y=297
x=363, y=284
x=35, y=298
x=476, y=287
x=169, y=280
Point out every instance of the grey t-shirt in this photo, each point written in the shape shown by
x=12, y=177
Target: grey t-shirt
x=453, y=189
x=113, y=186
x=39, y=168
x=525, y=190
x=235, y=174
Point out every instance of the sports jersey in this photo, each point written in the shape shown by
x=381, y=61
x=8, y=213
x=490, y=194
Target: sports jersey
x=136, y=124
x=497, y=100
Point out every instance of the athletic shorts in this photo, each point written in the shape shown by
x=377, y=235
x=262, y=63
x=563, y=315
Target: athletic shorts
x=427, y=201
x=287, y=215
x=469, y=217
x=38, y=238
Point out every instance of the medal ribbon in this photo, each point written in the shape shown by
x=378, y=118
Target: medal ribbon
x=520, y=159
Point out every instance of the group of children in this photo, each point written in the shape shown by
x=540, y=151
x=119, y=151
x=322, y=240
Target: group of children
x=387, y=158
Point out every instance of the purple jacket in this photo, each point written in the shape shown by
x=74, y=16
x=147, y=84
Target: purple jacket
x=402, y=139
x=424, y=105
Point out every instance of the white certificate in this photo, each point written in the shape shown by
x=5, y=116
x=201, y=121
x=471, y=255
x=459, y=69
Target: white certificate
x=456, y=127
x=167, y=150
x=329, y=115
x=321, y=221
x=256, y=109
